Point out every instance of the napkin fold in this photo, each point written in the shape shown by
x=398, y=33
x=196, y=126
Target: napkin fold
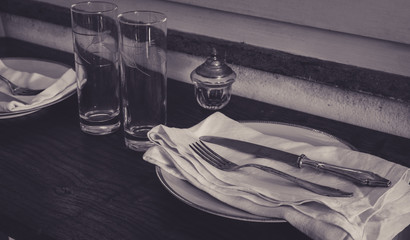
x=54, y=88
x=372, y=213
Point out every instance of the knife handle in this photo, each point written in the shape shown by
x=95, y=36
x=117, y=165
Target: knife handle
x=358, y=176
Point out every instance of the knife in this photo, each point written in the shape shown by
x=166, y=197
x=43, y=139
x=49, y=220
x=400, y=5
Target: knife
x=355, y=175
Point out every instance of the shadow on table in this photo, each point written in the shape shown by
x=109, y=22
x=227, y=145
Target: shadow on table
x=3, y=236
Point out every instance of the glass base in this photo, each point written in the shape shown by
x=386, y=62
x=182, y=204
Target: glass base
x=212, y=97
x=100, y=129
x=139, y=146
x=136, y=138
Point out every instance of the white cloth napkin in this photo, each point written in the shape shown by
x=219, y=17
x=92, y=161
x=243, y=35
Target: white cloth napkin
x=53, y=88
x=372, y=213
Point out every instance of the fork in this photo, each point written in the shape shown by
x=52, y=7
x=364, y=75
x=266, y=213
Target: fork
x=221, y=163
x=16, y=90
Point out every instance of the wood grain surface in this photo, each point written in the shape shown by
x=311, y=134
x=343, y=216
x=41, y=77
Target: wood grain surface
x=59, y=183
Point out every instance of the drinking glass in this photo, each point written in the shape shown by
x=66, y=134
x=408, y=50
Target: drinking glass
x=95, y=39
x=143, y=53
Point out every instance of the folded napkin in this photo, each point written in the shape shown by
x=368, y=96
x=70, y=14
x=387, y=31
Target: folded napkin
x=54, y=89
x=372, y=213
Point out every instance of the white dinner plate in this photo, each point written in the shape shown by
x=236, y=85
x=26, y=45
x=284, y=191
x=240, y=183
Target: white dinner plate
x=47, y=68
x=196, y=198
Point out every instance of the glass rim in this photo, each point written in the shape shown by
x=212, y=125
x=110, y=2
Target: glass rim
x=121, y=18
x=74, y=9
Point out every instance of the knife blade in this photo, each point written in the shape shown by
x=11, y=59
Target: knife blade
x=358, y=176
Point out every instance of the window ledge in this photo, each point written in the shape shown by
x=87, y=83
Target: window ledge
x=348, y=92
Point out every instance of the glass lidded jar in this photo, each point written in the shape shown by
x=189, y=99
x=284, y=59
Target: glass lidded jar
x=213, y=82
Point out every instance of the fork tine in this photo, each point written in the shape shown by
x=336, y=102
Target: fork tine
x=211, y=153
x=26, y=92
x=212, y=157
x=16, y=90
x=198, y=150
x=222, y=162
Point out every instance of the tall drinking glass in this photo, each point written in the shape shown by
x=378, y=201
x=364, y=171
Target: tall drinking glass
x=95, y=38
x=143, y=51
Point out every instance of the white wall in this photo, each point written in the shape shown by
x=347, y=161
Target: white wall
x=298, y=39
x=380, y=19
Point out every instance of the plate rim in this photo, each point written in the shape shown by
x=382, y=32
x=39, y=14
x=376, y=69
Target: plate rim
x=260, y=219
x=15, y=114
x=306, y=128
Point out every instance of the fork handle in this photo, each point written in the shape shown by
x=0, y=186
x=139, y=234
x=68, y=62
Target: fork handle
x=316, y=188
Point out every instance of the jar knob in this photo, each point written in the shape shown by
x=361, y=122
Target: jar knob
x=214, y=67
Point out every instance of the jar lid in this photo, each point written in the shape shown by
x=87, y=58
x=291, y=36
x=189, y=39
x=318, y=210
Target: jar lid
x=213, y=67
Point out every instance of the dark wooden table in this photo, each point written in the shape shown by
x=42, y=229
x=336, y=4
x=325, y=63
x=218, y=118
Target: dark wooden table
x=59, y=183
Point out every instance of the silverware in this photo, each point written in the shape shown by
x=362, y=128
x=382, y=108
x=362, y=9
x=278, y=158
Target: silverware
x=16, y=90
x=355, y=175
x=223, y=164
